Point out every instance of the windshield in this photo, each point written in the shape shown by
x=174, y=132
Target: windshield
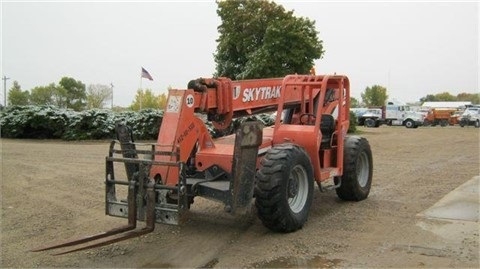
x=471, y=111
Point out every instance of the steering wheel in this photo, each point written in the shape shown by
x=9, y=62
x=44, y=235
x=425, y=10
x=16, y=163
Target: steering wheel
x=308, y=116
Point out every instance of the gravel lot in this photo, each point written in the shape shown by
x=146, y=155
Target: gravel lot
x=54, y=189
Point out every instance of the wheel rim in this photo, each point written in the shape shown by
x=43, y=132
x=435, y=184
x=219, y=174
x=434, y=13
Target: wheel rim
x=297, y=188
x=362, y=169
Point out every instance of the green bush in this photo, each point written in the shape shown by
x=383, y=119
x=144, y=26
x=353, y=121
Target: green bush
x=34, y=121
x=352, y=128
x=51, y=122
x=90, y=124
x=144, y=124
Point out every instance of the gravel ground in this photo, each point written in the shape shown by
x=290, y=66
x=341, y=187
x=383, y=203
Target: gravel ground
x=53, y=189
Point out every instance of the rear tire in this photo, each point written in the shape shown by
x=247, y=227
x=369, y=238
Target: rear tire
x=370, y=123
x=284, y=188
x=357, y=170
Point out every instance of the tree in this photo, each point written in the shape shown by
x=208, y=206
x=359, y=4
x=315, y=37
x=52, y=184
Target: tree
x=445, y=96
x=260, y=39
x=98, y=95
x=144, y=99
x=17, y=97
x=354, y=102
x=375, y=96
x=162, y=101
x=47, y=95
x=472, y=97
x=428, y=98
x=74, y=93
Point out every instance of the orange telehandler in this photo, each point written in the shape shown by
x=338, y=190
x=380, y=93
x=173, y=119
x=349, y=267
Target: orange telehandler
x=276, y=167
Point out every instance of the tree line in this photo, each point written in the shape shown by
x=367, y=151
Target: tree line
x=376, y=95
x=70, y=93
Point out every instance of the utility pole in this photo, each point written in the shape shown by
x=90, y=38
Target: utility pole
x=111, y=85
x=5, y=90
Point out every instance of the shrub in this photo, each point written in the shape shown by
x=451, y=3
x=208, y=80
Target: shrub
x=91, y=124
x=34, y=121
x=352, y=128
x=52, y=122
x=144, y=124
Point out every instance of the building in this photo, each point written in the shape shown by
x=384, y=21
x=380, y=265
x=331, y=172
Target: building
x=446, y=104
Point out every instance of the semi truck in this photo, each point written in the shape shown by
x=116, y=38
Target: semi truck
x=471, y=116
x=392, y=114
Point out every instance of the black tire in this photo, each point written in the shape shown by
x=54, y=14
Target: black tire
x=370, y=123
x=409, y=123
x=284, y=188
x=443, y=123
x=357, y=170
x=477, y=124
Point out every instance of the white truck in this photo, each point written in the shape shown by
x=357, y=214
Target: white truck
x=393, y=113
x=471, y=116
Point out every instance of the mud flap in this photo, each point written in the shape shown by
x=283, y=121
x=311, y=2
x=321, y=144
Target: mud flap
x=248, y=139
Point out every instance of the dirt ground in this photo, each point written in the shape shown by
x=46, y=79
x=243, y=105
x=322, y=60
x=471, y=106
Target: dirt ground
x=53, y=189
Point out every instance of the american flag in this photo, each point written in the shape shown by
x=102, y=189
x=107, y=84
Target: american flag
x=145, y=74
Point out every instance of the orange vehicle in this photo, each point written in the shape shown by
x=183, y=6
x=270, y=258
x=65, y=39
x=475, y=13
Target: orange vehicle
x=274, y=168
x=440, y=116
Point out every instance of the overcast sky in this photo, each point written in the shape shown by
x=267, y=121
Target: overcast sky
x=413, y=49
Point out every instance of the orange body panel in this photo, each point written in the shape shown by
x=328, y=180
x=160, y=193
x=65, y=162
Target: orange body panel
x=435, y=116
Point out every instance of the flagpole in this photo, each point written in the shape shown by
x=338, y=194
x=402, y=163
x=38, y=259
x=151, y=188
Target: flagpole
x=144, y=74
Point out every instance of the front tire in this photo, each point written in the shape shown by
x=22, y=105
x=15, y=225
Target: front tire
x=357, y=170
x=409, y=123
x=284, y=188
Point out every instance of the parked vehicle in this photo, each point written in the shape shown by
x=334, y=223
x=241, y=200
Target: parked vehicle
x=471, y=116
x=440, y=116
x=392, y=114
x=371, y=113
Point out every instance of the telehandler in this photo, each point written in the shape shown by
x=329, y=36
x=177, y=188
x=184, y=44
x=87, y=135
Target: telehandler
x=276, y=167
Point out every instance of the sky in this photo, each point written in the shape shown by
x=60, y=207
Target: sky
x=411, y=48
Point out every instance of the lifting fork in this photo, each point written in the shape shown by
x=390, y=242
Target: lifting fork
x=116, y=234
x=127, y=231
